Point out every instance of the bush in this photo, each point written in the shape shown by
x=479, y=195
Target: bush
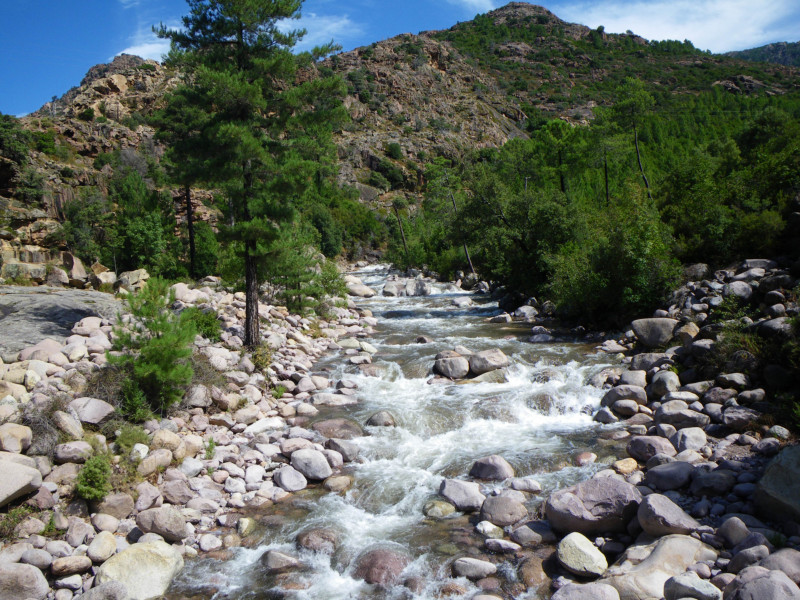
x=262, y=357
x=156, y=348
x=9, y=521
x=206, y=323
x=394, y=150
x=133, y=404
x=93, y=479
x=129, y=436
x=86, y=114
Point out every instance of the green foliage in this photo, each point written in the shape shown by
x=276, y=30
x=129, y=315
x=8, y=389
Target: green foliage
x=45, y=141
x=129, y=436
x=10, y=520
x=206, y=249
x=93, y=481
x=14, y=140
x=87, y=229
x=262, y=357
x=86, y=114
x=105, y=158
x=278, y=392
x=133, y=403
x=211, y=447
x=206, y=323
x=394, y=150
x=156, y=348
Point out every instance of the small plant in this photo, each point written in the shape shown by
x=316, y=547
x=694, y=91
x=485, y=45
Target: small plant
x=211, y=448
x=50, y=528
x=278, y=392
x=394, y=150
x=133, y=403
x=129, y=436
x=93, y=479
x=15, y=516
x=206, y=322
x=262, y=357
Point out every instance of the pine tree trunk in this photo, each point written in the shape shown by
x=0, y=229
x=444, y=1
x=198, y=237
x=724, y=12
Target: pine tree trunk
x=639, y=158
x=251, y=329
x=402, y=231
x=187, y=194
x=455, y=217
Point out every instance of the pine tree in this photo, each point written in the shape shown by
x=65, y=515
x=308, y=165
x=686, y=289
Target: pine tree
x=269, y=133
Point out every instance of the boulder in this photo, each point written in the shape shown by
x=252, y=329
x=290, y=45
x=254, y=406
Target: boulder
x=690, y=438
x=689, y=585
x=15, y=438
x=494, y=468
x=110, y=590
x=20, y=581
x=277, y=562
x=590, y=591
x=678, y=414
x=755, y=583
x=502, y=510
x=464, y=495
x=381, y=566
x=580, y=556
x=290, y=479
x=92, y=410
x=669, y=476
x=17, y=480
x=473, y=568
x=713, y=483
x=487, y=360
x=312, y=464
x=344, y=429
x=645, y=447
x=145, y=569
x=318, y=540
x=624, y=392
x=778, y=492
x=119, y=505
x=658, y=515
x=643, y=569
x=452, y=367
x=653, y=333
x=786, y=560
x=595, y=506
x=166, y=521
x=359, y=290
x=740, y=418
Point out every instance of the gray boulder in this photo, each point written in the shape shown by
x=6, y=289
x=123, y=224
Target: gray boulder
x=145, y=569
x=654, y=332
x=669, y=476
x=494, y=467
x=92, y=410
x=713, y=483
x=166, y=521
x=689, y=585
x=464, y=495
x=664, y=382
x=487, y=360
x=678, y=414
x=110, y=590
x=290, y=479
x=739, y=418
x=644, y=568
x=624, y=392
x=20, y=581
x=778, y=492
x=312, y=464
x=658, y=515
x=381, y=566
x=689, y=438
x=18, y=480
x=502, y=510
x=645, y=447
x=473, y=568
x=590, y=591
x=786, y=560
x=600, y=505
x=755, y=583
x=580, y=556
x=451, y=365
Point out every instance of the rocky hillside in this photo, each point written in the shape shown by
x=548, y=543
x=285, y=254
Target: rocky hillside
x=411, y=98
x=782, y=53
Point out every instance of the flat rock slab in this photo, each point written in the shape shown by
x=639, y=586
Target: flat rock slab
x=29, y=315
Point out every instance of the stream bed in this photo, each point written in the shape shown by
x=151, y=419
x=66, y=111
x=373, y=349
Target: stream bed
x=538, y=420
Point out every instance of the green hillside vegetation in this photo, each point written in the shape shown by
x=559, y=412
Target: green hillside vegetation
x=783, y=53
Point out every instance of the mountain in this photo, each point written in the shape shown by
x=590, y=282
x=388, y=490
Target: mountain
x=438, y=93
x=782, y=53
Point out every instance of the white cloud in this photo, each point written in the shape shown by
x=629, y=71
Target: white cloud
x=321, y=29
x=716, y=25
x=477, y=6
x=129, y=3
x=147, y=44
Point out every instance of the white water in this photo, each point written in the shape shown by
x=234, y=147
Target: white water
x=537, y=420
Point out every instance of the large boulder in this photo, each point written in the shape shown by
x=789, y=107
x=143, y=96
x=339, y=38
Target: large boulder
x=645, y=447
x=312, y=464
x=15, y=438
x=92, y=410
x=643, y=569
x=503, y=510
x=145, y=569
x=596, y=506
x=655, y=332
x=17, y=480
x=755, y=583
x=689, y=585
x=464, y=495
x=19, y=581
x=625, y=391
x=165, y=520
x=580, y=556
x=778, y=492
x=494, y=467
x=359, y=290
x=487, y=360
x=589, y=591
x=451, y=365
x=381, y=566
x=678, y=414
x=343, y=429
x=658, y=515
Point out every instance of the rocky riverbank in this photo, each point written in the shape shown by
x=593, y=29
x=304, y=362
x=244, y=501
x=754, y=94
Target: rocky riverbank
x=692, y=505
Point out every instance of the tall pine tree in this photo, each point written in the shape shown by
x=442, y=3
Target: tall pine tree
x=270, y=118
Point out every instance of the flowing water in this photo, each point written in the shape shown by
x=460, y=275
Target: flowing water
x=538, y=420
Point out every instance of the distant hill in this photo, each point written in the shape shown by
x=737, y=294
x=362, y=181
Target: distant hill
x=782, y=53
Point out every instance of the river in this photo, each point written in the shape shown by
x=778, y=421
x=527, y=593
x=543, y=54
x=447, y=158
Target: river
x=538, y=420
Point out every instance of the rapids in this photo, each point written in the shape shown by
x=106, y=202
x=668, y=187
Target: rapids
x=538, y=420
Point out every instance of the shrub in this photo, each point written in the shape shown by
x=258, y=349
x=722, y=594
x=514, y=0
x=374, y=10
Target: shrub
x=156, y=347
x=210, y=449
x=15, y=516
x=133, y=404
x=206, y=323
x=86, y=114
x=93, y=479
x=262, y=357
x=394, y=150
x=129, y=436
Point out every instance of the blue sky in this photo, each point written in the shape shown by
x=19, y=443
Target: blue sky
x=48, y=45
